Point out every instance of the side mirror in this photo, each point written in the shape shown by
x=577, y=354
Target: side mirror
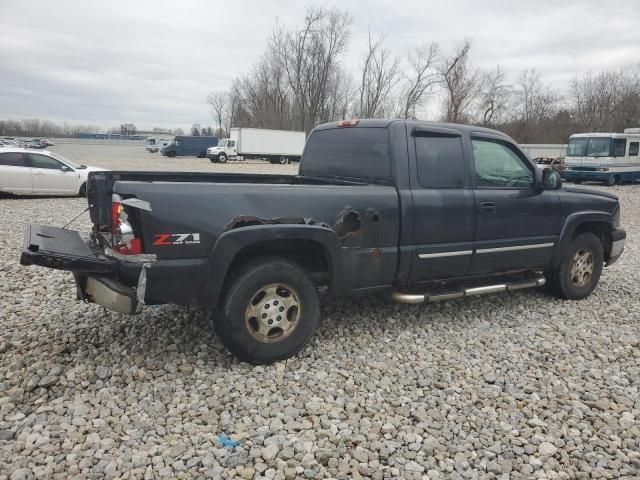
x=551, y=180
x=64, y=168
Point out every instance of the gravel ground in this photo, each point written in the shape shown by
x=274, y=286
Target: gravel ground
x=507, y=386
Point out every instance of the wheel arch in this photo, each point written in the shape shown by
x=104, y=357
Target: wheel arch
x=314, y=248
x=598, y=223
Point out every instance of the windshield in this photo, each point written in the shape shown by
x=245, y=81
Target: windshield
x=222, y=143
x=589, y=147
x=71, y=163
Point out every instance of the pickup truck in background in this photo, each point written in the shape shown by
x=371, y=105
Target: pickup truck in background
x=426, y=211
x=277, y=146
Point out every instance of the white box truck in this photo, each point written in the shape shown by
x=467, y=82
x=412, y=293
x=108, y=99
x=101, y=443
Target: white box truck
x=277, y=146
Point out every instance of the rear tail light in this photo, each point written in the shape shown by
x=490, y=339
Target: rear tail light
x=122, y=237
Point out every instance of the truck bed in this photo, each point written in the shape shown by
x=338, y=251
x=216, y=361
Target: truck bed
x=100, y=185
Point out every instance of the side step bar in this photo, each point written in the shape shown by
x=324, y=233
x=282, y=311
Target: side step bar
x=415, y=298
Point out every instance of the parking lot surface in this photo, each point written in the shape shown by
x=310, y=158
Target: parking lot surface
x=517, y=385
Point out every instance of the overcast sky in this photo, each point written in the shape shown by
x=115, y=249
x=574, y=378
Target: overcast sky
x=153, y=63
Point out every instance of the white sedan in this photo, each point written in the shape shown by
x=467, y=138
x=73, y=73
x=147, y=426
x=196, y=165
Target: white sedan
x=26, y=172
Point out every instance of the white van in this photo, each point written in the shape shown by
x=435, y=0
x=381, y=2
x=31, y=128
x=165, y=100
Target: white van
x=154, y=145
x=611, y=158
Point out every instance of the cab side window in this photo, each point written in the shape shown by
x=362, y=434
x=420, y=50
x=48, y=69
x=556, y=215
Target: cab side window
x=633, y=149
x=440, y=161
x=12, y=159
x=498, y=166
x=42, y=161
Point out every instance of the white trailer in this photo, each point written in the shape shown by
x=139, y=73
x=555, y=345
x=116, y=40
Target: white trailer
x=545, y=150
x=277, y=146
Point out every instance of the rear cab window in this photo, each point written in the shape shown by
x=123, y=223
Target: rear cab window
x=440, y=160
x=359, y=153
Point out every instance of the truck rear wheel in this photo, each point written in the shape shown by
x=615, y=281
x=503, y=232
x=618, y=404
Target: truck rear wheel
x=580, y=269
x=283, y=160
x=269, y=312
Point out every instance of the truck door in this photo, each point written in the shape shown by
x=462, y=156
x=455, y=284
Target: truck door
x=517, y=223
x=231, y=148
x=443, y=205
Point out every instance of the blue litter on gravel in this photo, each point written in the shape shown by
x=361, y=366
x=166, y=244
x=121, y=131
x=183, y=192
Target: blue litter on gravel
x=227, y=442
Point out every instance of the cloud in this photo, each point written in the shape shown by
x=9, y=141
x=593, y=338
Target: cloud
x=105, y=63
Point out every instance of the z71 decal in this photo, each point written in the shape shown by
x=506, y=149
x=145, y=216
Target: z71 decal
x=162, y=239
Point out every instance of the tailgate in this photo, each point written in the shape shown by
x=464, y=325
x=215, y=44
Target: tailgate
x=62, y=249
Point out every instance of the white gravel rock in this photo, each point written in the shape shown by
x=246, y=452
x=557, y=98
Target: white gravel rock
x=510, y=386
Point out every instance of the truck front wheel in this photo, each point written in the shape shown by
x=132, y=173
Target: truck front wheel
x=580, y=269
x=222, y=158
x=269, y=312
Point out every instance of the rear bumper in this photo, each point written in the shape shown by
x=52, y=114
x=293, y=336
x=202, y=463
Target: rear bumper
x=119, y=283
x=618, y=239
x=95, y=273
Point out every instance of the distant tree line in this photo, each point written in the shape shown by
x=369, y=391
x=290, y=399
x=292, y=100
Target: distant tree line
x=300, y=81
x=34, y=127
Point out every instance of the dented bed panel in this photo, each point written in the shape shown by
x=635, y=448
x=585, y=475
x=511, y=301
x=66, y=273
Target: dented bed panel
x=186, y=219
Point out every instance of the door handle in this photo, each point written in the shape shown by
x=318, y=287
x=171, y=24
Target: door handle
x=487, y=207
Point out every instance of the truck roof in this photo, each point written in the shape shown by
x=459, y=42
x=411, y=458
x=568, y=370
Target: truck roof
x=385, y=123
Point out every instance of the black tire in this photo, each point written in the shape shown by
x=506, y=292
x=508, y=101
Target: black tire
x=611, y=180
x=83, y=190
x=171, y=154
x=563, y=283
x=241, y=333
x=202, y=154
x=283, y=160
x=214, y=160
x=617, y=180
x=222, y=158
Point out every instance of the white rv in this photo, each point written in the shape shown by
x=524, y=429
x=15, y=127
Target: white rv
x=611, y=158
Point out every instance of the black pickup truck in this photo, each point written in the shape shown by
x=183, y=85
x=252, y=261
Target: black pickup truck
x=426, y=211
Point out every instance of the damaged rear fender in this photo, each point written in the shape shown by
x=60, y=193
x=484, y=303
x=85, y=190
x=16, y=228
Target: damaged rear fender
x=231, y=242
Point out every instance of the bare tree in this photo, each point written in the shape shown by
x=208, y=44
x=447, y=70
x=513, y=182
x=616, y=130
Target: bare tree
x=419, y=80
x=493, y=99
x=380, y=74
x=195, y=130
x=218, y=103
x=309, y=57
x=462, y=85
x=627, y=112
x=534, y=104
x=593, y=99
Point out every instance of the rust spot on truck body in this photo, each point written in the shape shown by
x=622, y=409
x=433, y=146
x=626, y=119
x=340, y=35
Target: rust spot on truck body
x=348, y=224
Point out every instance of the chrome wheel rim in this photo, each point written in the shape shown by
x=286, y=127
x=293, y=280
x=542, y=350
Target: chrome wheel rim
x=582, y=267
x=273, y=313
